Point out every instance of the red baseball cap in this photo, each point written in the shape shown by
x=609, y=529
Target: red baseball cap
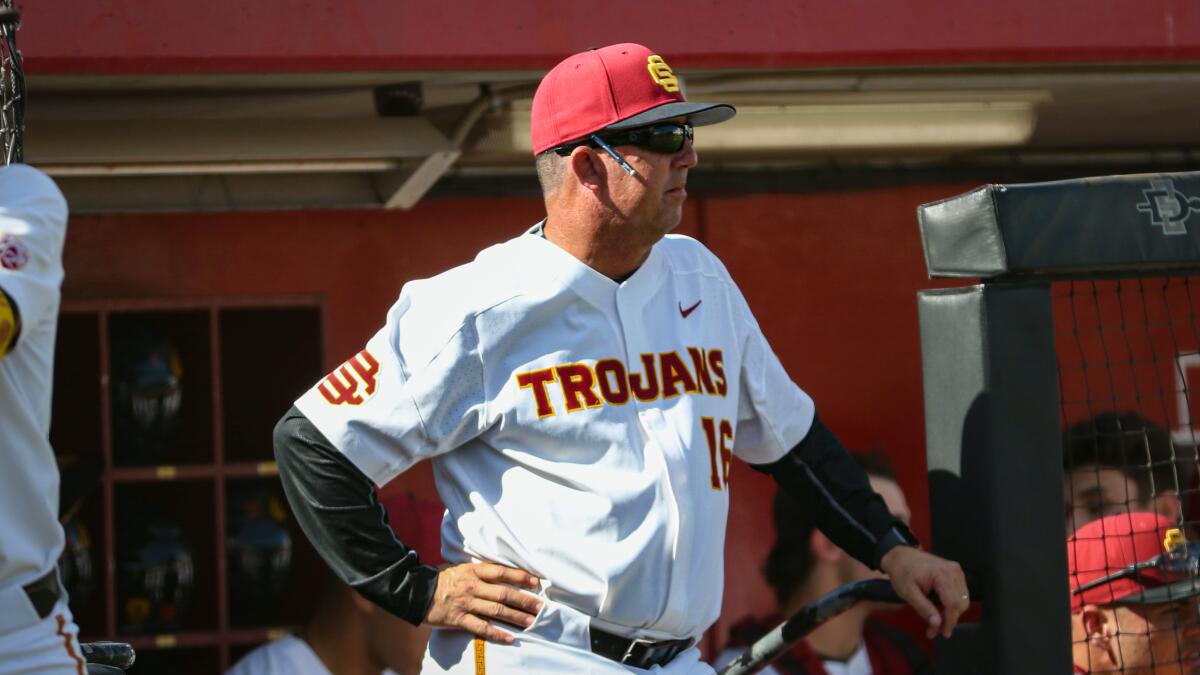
x=616, y=87
x=1109, y=545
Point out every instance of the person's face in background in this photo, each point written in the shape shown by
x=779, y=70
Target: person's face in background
x=1161, y=639
x=1092, y=492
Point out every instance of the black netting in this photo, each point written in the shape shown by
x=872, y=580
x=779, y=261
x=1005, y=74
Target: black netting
x=12, y=88
x=1128, y=356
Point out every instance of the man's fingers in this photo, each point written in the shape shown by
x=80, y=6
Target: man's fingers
x=493, y=572
x=511, y=597
x=502, y=612
x=485, y=630
x=951, y=590
x=474, y=597
x=915, y=597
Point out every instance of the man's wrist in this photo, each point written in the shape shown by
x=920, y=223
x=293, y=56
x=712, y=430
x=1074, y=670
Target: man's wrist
x=896, y=536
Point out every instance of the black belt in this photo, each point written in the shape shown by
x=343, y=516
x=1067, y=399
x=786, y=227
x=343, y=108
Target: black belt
x=636, y=652
x=43, y=593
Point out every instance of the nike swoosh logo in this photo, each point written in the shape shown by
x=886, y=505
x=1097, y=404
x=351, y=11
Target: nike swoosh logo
x=684, y=312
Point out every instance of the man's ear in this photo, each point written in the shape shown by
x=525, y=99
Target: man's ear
x=361, y=604
x=1166, y=503
x=1100, y=630
x=823, y=549
x=587, y=168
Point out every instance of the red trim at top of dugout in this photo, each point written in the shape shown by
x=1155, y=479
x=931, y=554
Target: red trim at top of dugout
x=281, y=36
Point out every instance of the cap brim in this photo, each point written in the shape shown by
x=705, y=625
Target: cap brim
x=1180, y=590
x=698, y=114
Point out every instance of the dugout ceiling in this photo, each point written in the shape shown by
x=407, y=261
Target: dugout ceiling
x=230, y=105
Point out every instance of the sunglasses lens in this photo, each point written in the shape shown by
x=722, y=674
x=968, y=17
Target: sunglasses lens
x=666, y=138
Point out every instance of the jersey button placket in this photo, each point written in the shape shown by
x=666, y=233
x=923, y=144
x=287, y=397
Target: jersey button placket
x=662, y=440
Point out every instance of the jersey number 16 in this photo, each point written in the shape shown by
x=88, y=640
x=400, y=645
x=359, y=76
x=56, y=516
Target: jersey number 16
x=719, y=434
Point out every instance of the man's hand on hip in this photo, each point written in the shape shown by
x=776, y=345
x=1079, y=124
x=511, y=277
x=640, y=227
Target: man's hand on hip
x=916, y=574
x=473, y=595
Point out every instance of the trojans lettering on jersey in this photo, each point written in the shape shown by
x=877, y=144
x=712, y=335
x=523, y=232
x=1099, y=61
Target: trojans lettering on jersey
x=662, y=376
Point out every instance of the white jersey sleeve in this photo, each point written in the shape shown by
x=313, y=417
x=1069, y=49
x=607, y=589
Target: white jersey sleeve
x=33, y=225
x=415, y=392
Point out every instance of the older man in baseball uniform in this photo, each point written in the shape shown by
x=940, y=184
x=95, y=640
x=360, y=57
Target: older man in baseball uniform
x=37, y=633
x=580, y=390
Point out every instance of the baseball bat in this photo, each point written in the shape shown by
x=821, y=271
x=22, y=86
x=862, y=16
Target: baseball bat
x=770, y=646
x=115, y=654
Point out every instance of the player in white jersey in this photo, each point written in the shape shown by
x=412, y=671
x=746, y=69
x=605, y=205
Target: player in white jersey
x=580, y=390
x=37, y=632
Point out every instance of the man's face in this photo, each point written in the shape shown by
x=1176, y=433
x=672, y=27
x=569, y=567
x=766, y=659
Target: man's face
x=1159, y=639
x=652, y=201
x=1092, y=492
x=850, y=569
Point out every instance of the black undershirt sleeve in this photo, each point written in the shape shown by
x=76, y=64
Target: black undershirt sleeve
x=820, y=473
x=338, y=509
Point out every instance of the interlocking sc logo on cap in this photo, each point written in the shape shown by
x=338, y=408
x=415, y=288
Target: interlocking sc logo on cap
x=662, y=73
x=1173, y=538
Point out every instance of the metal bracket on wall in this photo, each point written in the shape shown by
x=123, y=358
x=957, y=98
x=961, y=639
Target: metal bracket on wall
x=403, y=188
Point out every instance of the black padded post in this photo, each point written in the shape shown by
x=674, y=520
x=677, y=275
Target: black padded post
x=995, y=471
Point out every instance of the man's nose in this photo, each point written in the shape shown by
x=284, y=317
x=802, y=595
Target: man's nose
x=687, y=155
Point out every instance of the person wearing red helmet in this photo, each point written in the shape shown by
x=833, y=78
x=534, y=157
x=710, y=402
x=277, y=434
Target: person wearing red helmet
x=1134, y=596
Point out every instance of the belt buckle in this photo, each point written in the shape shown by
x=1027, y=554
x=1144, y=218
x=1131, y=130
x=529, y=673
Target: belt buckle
x=634, y=642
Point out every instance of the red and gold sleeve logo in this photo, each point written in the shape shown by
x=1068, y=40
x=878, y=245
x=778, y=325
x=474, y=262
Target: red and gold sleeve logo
x=353, y=382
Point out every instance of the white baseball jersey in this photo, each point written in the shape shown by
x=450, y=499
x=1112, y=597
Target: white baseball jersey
x=33, y=221
x=46, y=646
x=289, y=655
x=579, y=428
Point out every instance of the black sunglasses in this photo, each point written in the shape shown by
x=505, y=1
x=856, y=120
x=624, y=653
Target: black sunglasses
x=666, y=137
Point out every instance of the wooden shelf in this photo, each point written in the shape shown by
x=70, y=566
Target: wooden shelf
x=172, y=640
x=253, y=636
x=173, y=472
x=187, y=639
x=222, y=453
x=250, y=470
x=165, y=472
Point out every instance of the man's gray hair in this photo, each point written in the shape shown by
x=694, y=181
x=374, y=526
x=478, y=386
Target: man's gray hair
x=551, y=167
